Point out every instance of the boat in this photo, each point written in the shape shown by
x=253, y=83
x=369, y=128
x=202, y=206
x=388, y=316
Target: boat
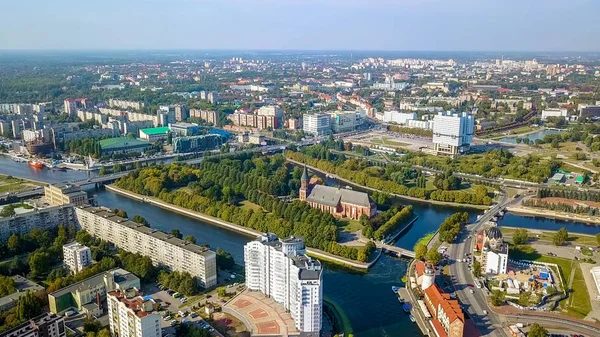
x=395, y=289
x=412, y=319
x=406, y=307
x=36, y=164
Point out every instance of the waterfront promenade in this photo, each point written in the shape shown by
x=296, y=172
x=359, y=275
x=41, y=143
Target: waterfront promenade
x=233, y=227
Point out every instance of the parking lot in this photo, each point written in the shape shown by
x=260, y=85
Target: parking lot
x=170, y=304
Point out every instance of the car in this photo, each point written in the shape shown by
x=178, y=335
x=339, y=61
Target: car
x=471, y=290
x=470, y=286
x=485, y=312
x=183, y=300
x=173, y=322
x=193, y=315
x=168, y=303
x=181, y=313
x=167, y=318
x=170, y=292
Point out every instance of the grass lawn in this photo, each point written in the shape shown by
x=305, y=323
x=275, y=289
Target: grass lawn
x=425, y=239
x=571, y=168
x=250, y=205
x=575, y=238
x=388, y=142
x=349, y=225
x=12, y=184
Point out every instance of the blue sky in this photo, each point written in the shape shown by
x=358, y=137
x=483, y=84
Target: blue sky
x=455, y=25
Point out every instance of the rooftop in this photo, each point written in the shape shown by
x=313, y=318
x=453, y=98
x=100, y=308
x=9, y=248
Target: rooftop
x=133, y=300
x=332, y=196
x=156, y=131
x=109, y=143
x=22, y=285
x=90, y=282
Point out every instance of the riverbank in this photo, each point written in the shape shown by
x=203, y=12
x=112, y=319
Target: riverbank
x=316, y=253
x=399, y=196
x=549, y=214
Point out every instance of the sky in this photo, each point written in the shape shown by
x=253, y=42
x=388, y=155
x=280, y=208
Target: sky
x=403, y=25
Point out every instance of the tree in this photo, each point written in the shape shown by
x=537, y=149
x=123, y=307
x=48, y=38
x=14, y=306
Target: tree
x=434, y=256
x=476, y=268
x=224, y=259
x=14, y=244
x=536, y=330
x=190, y=238
x=560, y=237
x=497, y=298
x=121, y=213
x=520, y=236
x=598, y=238
x=91, y=325
x=141, y=220
x=176, y=233
x=40, y=262
x=7, y=285
x=222, y=291
x=84, y=238
x=28, y=306
x=420, y=251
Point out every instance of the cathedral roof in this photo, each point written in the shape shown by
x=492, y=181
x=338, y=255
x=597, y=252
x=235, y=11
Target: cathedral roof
x=494, y=233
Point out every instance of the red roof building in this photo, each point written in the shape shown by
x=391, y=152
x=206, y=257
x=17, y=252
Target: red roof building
x=448, y=319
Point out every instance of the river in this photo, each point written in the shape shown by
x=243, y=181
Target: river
x=365, y=299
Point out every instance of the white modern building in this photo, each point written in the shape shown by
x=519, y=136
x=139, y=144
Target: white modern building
x=494, y=252
x=452, y=132
x=390, y=85
x=398, y=117
x=417, y=124
x=596, y=276
x=343, y=121
x=316, y=124
x=281, y=270
x=554, y=113
x=76, y=256
x=130, y=315
x=164, y=249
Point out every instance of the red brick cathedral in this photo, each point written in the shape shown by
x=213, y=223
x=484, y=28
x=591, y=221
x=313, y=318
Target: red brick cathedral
x=341, y=203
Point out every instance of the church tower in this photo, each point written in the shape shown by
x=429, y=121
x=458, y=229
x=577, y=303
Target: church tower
x=303, y=192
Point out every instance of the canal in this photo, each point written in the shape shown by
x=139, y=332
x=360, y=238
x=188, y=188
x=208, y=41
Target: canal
x=356, y=294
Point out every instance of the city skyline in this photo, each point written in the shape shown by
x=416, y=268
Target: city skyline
x=430, y=25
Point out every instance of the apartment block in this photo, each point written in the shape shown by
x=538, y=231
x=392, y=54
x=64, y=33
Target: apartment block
x=44, y=325
x=316, y=124
x=37, y=217
x=63, y=194
x=164, y=249
x=281, y=270
x=117, y=103
x=72, y=104
x=76, y=257
x=447, y=316
x=130, y=315
x=181, y=112
x=206, y=115
x=453, y=132
x=253, y=121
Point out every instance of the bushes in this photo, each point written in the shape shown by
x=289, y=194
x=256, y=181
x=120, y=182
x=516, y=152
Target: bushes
x=399, y=218
x=181, y=282
x=452, y=225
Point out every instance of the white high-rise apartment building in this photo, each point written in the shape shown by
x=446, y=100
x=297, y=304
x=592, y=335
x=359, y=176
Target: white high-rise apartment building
x=452, y=132
x=164, y=249
x=317, y=124
x=76, y=256
x=281, y=270
x=129, y=315
x=398, y=117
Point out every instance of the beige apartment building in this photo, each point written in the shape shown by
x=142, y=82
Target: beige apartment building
x=62, y=194
x=164, y=249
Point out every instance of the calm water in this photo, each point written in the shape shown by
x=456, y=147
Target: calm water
x=532, y=137
x=356, y=294
x=550, y=224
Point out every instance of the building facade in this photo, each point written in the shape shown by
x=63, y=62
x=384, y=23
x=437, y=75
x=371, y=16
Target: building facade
x=316, y=124
x=40, y=218
x=453, y=132
x=398, y=117
x=281, y=270
x=76, y=257
x=181, y=112
x=494, y=251
x=117, y=103
x=130, y=315
x=554, y=113
x=341, y=203
x=447, y=316
x=44, y=325
x=63, y=194
x=164, y=249
x=184, y=129
x=208, y=116
x=196, y=143
x=155, y=134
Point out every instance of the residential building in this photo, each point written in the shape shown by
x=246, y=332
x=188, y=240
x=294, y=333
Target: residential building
x=317, y=124
x=98, y=117
x=63, y=194
x=208, y=116
x=71, y=105
x=79, y=295
x=155, y=134
x=130, y=315
x=36, y=217
x=586, y=110
x=213, y=97
x=197, y=143
x=447, y=316
x=281, y=270
x=117, y=103
x=341, y=203
x=436, y=86
x=22, y=286
x=44, y=325
x=76, y=257
x=184, y=129
x=181, y=112
x=122, y=145
x=253, y=120
x=398, y=117
x=453, y=132
x=554, y=113
x=343, y=121
x=162, y=248
x=389, y=84
x=272, y=111
x=251, y=138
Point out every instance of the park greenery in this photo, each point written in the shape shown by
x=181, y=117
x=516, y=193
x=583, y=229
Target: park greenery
x=568, y=193
x=385, y=222
x=560, y=237
x=9, y=210
x=218, y=187
x=390, y=179
x=181, y=282
x=452, y=225
x=562, y=207
x=7, y=285
x=536, y=330
x=411, y=131
x=520, y=236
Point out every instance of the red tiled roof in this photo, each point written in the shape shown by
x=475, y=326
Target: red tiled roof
x=439, y=329
x=420, y=268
